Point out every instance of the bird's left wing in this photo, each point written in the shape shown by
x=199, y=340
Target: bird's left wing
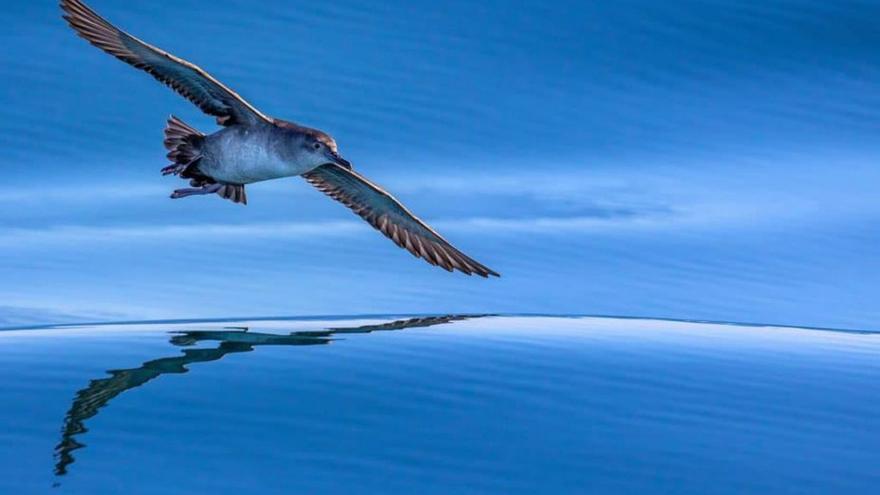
x=193, y=83
x=389, y=216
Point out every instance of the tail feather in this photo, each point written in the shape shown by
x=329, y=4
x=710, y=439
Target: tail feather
x=182, y=141
x=184, y=150
x=234, y=193
x=176, y=130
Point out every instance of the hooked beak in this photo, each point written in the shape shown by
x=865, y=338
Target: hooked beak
x=338, y=160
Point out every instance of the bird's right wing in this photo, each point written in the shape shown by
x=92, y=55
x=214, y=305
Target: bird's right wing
x=189, y=80
x=389, y=216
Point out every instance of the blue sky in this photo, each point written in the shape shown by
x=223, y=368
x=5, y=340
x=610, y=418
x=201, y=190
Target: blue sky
x=689, y=159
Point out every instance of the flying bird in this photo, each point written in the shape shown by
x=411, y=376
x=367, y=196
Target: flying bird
x=253, y=147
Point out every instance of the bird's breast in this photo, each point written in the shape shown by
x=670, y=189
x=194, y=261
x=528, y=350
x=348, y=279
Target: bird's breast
x=248, y=156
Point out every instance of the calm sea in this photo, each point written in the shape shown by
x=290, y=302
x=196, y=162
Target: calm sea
x=450, y=404
x=692, y=159
x=656, y=162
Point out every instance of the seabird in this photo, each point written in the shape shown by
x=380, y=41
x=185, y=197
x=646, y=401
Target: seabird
x=253, y=147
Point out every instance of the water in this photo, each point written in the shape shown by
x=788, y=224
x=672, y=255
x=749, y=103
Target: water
x=693, y=159
x=696, y=160
x=450, y=404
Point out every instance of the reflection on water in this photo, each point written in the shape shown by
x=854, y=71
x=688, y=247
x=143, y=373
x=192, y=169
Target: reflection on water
x=101, y=391
x=513, y=405
x=700, y=159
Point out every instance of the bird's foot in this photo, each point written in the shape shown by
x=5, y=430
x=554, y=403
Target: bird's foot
x=209, y=189
x=174, y=168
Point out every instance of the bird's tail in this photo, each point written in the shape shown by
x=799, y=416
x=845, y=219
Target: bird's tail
x=183, y=144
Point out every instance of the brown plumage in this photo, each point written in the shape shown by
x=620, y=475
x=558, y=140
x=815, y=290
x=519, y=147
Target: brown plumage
x=385, y=213
x=285, y=148
x=189, y=80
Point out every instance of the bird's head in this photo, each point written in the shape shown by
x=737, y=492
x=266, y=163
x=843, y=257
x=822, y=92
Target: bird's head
x=316, y=147
x=322, y=149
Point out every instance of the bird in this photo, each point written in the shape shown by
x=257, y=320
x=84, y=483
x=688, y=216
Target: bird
x=253, y=147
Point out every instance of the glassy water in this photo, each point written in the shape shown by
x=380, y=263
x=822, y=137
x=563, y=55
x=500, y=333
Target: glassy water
x=692, y=159
x=444, y=404
x=689, y=160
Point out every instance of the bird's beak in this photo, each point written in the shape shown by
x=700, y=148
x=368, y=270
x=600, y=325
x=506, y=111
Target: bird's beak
x=338, y=160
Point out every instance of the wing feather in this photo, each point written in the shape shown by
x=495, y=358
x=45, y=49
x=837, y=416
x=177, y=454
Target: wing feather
x=389, y=216
x=187, y=79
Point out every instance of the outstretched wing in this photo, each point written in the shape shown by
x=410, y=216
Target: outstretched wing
x=189, y=80
x=385, y=213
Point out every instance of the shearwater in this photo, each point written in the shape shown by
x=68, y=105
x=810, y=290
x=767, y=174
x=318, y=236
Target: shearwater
x=254, y=147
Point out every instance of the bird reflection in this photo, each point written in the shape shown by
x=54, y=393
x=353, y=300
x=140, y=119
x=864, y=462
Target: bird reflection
x=100, y=392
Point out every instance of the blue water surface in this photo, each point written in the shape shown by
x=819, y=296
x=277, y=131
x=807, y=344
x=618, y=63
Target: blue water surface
x=690, y=159
x=447, y=404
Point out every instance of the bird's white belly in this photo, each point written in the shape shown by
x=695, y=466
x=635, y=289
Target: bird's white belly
x=243, y=161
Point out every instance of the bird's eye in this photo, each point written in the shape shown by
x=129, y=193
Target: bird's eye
x=317, y=146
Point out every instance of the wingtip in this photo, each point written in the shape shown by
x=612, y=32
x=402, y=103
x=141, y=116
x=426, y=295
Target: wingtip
x=477, y=268
x=488, y=273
